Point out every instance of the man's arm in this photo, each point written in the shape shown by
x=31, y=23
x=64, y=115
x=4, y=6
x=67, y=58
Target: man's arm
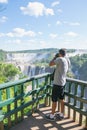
x=52, y=62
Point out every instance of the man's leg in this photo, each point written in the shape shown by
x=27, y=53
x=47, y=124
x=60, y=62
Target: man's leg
x=51, y=116
x=62, y=101
x=62, y=106
x=61, y=114
x=54, y=104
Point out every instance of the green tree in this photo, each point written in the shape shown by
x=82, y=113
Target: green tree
x=2, y=55
x=83, y=72
x=7, y=72
x=76, y=62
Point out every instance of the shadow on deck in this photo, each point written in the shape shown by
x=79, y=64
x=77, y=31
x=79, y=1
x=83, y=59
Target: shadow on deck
x=38, y=122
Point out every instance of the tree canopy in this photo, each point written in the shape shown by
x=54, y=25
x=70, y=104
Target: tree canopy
x=7, y=72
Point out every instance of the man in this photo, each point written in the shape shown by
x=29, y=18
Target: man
x=59, y=83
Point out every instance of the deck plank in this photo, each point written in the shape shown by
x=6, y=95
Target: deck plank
x=38, y=122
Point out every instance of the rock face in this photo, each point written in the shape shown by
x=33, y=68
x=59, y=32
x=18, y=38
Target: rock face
x=26, y=62
x=31, y=70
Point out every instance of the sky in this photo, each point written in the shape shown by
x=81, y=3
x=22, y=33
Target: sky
x=39, y=24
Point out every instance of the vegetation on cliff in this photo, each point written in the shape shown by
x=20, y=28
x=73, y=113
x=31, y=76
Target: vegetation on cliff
x=7, y=72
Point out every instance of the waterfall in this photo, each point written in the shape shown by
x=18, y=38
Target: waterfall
x=42, y=70
x=32, y=71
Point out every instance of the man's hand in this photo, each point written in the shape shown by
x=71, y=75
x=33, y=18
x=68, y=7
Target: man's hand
x=52, y=62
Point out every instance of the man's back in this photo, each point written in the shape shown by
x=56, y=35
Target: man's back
x=61, y=71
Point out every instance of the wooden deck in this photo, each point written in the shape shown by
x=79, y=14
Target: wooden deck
x=38, y=122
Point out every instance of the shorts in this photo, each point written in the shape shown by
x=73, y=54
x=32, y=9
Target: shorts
x=57, y=92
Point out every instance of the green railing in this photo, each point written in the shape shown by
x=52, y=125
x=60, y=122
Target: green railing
x=76, y=100
x=24, y=96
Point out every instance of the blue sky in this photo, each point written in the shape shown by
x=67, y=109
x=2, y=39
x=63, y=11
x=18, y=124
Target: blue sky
x=37, y=24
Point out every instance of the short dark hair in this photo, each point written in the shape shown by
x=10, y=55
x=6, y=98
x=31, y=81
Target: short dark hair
x=62, y=52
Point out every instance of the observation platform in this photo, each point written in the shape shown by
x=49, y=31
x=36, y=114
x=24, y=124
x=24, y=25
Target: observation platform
x=16, y=103
x=37, y=121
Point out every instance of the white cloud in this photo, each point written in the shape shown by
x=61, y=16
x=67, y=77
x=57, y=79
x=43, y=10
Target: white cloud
x=68, y=23
x=65, y=22
x=49, y=24
x=1, y=34
x=60, y=10
x=55, y=3
x=71, y=34
x=52, y=35
x=17, y=41
x=3, y=19
x=48, y=11
x=58, y=22
x=75, y=24
x=36, y=9
x=40, y=33
x=10, y=34
x=19, y=32
x=3, y=1
x=71, y=23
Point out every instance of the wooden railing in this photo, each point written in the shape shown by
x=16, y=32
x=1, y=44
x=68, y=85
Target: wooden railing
x=24, y=96
x=76, y=100
x=21, y=97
